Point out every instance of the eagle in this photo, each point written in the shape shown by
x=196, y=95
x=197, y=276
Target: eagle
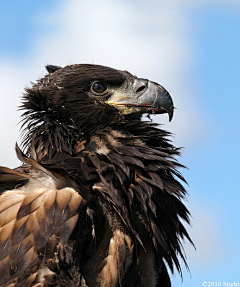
x=98, y=200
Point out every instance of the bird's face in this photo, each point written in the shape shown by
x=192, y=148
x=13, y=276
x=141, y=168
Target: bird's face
x=105, y=87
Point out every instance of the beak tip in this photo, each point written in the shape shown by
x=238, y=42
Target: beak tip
x=170, y=114
x=164, y=101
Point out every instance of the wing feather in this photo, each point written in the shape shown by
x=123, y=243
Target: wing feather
x=34, y=220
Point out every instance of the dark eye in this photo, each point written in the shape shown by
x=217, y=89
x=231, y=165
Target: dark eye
x=99, y=88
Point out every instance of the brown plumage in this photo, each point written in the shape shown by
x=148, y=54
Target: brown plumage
x=98, y=199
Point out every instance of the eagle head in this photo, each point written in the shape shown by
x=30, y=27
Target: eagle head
x=70, y=103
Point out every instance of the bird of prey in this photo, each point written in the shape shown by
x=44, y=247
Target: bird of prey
x=98, y=199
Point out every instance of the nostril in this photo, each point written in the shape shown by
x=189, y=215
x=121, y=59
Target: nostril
x=139, y=86
x=140, y=89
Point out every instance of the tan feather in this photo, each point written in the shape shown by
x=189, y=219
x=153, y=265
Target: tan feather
x=119, y=257
x=7, y=174
x=33, y=220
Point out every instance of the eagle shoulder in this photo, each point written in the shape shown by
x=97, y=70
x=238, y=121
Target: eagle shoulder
x=36, y=222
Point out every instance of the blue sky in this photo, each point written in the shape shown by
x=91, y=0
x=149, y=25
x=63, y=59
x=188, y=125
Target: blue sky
x=193, y=50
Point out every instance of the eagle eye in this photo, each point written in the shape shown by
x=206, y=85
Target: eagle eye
x=99, y=88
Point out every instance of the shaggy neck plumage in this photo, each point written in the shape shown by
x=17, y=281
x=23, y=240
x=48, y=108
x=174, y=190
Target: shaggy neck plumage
x=53, y=131
x=46, y=128
x=54, y=125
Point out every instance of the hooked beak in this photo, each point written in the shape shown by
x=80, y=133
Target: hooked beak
x=143, y=96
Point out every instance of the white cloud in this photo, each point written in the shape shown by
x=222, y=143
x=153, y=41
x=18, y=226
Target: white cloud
x=195, y=4
x=151, y=41
x=11, y=87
